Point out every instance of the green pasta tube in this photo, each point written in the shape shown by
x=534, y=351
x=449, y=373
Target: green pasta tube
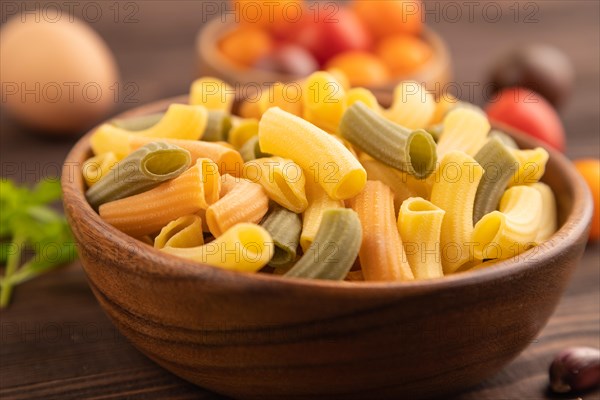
x=251, y=150
x=142, y=170
x=218, y=125
x=411, y=151
x=504, y=138
x=138, y=123
x=334, y=249
x=284, y=226
x=499, y=165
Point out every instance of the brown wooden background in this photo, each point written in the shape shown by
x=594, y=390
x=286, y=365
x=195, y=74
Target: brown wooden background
x=57, y=343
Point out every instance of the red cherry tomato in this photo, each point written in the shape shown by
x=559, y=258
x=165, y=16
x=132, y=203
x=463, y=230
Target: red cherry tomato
x=529, y=112
x=326, y=33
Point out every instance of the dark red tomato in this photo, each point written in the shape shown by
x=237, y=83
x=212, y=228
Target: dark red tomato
x=529, y=112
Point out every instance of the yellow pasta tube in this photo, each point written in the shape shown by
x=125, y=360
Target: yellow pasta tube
x=443, y=104
x=282, y=179
x=242, y=130
x=241, y=201
x=465, y=129
x=512, y=229
x=288, y=97
x=185, y=231
x=531, y=166
x=548, y=220
x=250, y=109
x=381, y=254
x=148, y=212
x=340, y=76
x=244, y=247
x=318, y=202
x=323, y=101
x=212, y=93
x=319, y=154
x=420, y=226
x=454, y=188
x=403, y=185
x=361, y=94
x=96, y=167
x=413, y=106
x=228, y=160
x=181, y=121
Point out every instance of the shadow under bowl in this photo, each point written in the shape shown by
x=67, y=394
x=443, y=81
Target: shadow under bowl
x=257, y=336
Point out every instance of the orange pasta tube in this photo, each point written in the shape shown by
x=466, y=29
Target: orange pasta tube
x=241, y=201
x=381, y=254
x=228, y=160
x=149, y=211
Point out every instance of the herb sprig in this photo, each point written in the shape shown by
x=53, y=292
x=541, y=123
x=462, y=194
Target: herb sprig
x=29, y=225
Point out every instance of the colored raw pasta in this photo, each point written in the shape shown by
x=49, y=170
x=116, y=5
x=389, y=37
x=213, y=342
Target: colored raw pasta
x=504, y=138
x=241, y=201
x=363, y=95
x=334, y=250
x=391, y=177
x=454, y=190
x=251, y=150
x=413, y=152
x=548, y=221
x=532, y=165
x=244, y=247
x=314, y=150
x=96, y=167
x=284, y=226
x=288, y=97
x=282, y=179
x=323, y=101
x=212, y=93
x=181, y=121
x=318, y=202
x=218, y=125
x=381, y=255
x=512, y=229
x=413, y=107
x=499, y=165
x=464, y=130
x=184, y=232
x=149, y=211
x=138, y=123
x=143, y=169
x=420, y=225
x=227, y=159
x=242, y=129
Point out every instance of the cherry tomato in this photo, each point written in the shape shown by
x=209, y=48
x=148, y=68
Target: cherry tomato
x=390, y=17
x=245, y=45
x=403, y=54
x=361, y=68
x=529, y=112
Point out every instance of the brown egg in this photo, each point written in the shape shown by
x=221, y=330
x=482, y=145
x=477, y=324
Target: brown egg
x=57, y=77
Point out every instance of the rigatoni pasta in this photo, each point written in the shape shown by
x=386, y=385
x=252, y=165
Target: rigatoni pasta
x=511, y=230
x=319, y=181
x=380, y=259
x=420, y=226
x=315, y=151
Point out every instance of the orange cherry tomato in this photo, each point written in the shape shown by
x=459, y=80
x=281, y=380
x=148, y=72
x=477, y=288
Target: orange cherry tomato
x=362, y=68
x=245, y=45
x=390, y=17
x=590, y=170
x=403, y=54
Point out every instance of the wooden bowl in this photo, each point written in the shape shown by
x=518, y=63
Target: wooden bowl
x=258, y=336
x=435, y=73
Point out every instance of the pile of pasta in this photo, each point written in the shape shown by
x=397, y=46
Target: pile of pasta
x=317, y=180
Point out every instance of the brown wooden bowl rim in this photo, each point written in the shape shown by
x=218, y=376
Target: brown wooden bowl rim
x=574, y=226
x=207, y=48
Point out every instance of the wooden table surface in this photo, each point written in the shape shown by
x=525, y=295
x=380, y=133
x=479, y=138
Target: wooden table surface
x=57, y=343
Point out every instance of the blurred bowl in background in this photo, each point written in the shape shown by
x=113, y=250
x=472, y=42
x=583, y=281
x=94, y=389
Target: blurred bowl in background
x=435, y=73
